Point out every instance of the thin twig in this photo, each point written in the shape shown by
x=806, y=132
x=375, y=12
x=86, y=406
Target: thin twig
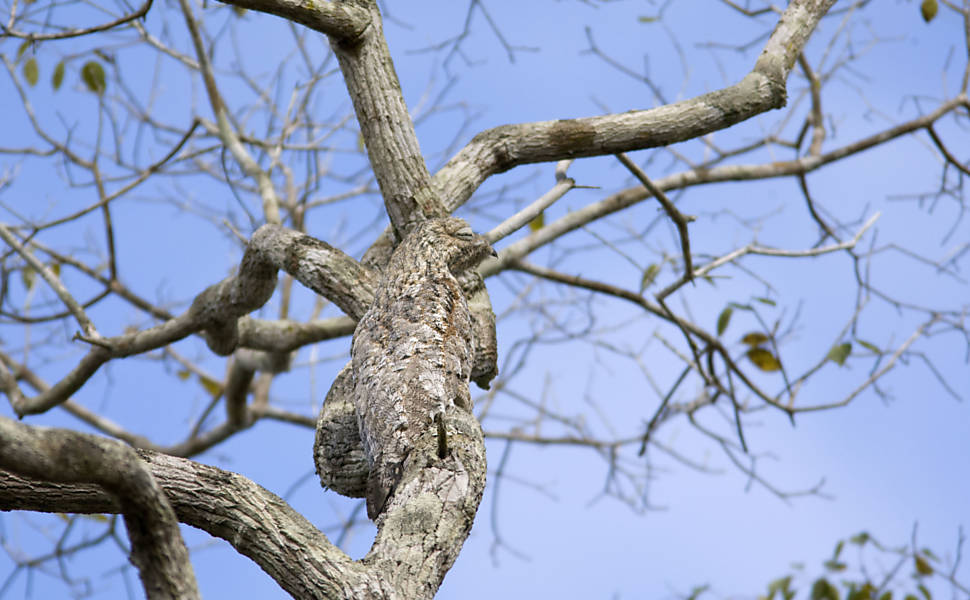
x=52, y=280
x=679, y=219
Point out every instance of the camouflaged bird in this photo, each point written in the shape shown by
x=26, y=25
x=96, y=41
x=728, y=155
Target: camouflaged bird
x=413, y=349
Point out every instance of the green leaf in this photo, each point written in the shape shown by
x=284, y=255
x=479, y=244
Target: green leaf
x=838, y=549
x=22, y=48
x=922, y=566
x=763, y=359
x=58, y=77
x=211, y=385
x=55, y=268
x=754, y=338
x=27, y=276
x=928, y=9
x=839, y=353
x=646, y=19
x=741, y=306
x=886, y=596
x=835, y=565
x=869, y=346
x=697, y=591
x=31, y=72
x=929, y=554
x=861, y=593
x=92, y=73
x=823, y=590
x=782, y=585
x=649, y=274
x=723, y=319
x=924, y=591
x=860, y=539
x=767, y=301
x=97, y=518
x=239, y=11
x=538, y=222
x=183, y=374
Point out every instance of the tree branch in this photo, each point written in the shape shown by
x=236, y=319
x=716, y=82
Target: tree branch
x=263, y=527
x=216, y=311
x=77, y=31
x=630, y=196
x=386, y=127
x=341, y=21
x=502, y=148
x=256, y=522
x=66, y=457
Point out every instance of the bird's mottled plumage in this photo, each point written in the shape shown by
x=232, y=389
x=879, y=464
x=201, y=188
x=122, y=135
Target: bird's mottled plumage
x=413, y=348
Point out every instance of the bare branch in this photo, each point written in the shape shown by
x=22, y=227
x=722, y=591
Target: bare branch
x=216, y=311
x=675, y=215
x=271, y=202
x=499, y=149
x=341, y=21
x=62, y=456
x=77, y=31
x=521, y=218
x=52, y=280
x=253, y=520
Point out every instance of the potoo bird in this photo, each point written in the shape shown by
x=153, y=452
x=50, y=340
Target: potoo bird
x=412, y=350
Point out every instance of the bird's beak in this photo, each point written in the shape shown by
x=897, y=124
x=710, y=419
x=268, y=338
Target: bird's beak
x=494, y=253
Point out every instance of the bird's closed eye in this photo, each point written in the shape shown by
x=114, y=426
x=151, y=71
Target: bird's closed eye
x=465, y=233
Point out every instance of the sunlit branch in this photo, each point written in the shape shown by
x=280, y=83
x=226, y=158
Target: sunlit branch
x=502, y=148
x=216, y=311
x=630, y=196
x=343, y=21
x=520, y=219
x=59, y=455
x=256, y=522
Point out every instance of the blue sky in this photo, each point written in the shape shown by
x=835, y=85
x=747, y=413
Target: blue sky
x=887, y=464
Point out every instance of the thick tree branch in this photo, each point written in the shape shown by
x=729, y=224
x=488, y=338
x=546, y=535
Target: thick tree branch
x=216, y=311
x=284, y=335
x=341, y=21
x=253, y=520
x=417, y=534
x=502, y=148
x=624, y=199
x=386, y=126
x=427, y=519
x=66, y=457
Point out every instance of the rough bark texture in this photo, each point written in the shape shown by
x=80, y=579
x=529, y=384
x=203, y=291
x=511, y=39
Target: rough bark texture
x=338, y=452
x=413, y=349
x=256, y=522
x=157, y=549
x=386, y=127
x=764, y=88
x=397, y=426
x=339, y=20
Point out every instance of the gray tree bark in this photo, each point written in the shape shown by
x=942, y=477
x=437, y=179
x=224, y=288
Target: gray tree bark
x=428, y=486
